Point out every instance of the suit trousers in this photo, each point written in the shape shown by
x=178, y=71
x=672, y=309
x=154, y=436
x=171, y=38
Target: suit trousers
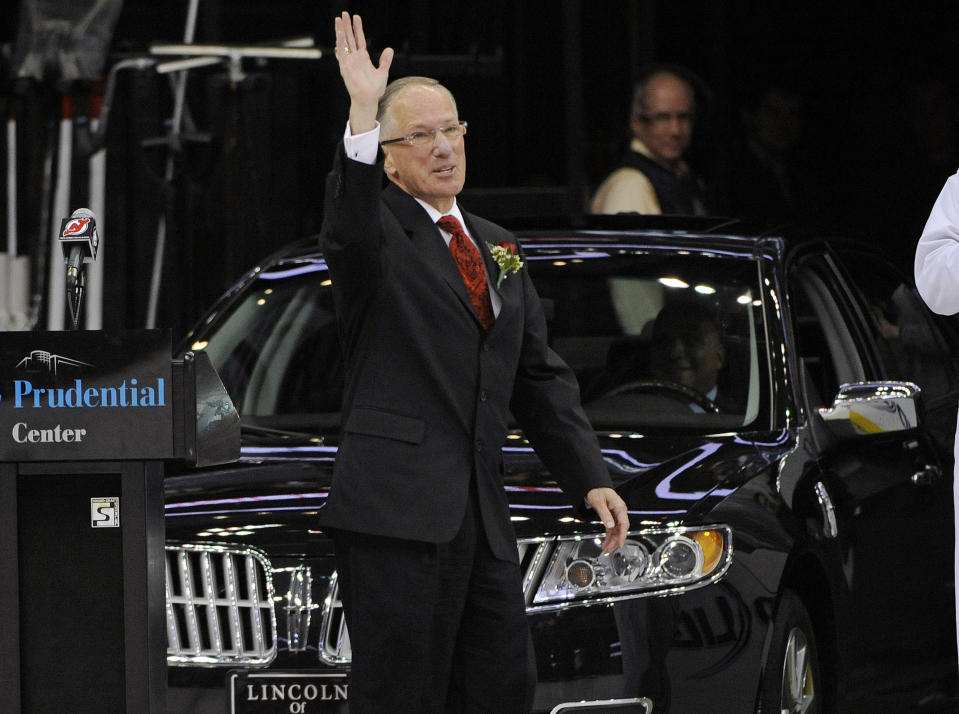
x=434, y=627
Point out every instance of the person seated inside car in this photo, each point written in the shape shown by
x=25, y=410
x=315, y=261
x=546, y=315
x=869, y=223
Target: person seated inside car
x=687, y=350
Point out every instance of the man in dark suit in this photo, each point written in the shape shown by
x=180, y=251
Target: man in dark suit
x=425, y=551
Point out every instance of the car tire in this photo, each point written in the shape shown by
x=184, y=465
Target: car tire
x=792, y=681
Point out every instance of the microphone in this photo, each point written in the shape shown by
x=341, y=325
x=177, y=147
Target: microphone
x=79, y=242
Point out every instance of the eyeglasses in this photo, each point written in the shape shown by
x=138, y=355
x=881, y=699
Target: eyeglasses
x=427, y=138
x=665, y=117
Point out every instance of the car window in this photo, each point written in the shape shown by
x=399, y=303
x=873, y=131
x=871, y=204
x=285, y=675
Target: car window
x=278, y=355
x=828, y=351
x=914, y=344
x=643, y=331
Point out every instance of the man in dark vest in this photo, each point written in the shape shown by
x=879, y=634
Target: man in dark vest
x=653, y=176
x=438, y=355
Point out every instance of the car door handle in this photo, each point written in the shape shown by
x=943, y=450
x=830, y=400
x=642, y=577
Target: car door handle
x=927, y=476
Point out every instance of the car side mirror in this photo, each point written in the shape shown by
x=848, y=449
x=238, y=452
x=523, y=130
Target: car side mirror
x=863, y=408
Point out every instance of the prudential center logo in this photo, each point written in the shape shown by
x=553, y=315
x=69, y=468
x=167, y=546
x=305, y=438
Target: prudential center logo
x=44, y=361
x=130, y=392
x=41, y=360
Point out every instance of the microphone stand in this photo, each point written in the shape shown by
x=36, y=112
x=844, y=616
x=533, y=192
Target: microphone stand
x=74, y=290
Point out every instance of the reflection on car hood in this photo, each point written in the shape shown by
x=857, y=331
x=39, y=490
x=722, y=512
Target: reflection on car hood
x=674, y=479
x=688, y=476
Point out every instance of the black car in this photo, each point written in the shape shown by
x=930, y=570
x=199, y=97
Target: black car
x=791, y=531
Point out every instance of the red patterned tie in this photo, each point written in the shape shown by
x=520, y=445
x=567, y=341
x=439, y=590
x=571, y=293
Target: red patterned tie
x=470, y=263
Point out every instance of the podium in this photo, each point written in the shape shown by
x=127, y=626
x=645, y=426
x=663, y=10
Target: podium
x=88, y=423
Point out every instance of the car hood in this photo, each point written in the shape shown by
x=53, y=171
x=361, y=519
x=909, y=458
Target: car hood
x=272, y=495
x=660, y=478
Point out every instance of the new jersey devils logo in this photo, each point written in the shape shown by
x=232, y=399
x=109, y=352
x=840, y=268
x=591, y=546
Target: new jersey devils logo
x=76, y=226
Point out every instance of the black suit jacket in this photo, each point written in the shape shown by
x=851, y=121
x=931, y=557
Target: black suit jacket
x=427, y=392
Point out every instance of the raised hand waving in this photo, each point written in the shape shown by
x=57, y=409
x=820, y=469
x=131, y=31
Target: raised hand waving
x=364, y=82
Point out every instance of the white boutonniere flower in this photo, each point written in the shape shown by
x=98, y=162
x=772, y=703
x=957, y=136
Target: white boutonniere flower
x=507, y=258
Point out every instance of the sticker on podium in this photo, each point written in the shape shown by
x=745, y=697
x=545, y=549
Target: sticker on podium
x=105, y=512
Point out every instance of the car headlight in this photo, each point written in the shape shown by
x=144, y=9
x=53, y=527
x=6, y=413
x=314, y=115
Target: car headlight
x=650, y=562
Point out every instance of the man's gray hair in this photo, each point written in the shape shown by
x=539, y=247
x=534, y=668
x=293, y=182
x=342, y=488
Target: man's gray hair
x=397, y=85
x=639, y=90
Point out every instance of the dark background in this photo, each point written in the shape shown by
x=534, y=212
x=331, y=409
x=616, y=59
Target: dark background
x=545, y=87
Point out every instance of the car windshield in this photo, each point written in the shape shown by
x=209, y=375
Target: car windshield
x=657, y=339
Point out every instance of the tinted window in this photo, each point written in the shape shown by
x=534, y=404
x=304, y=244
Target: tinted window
x=278, y=355
x=643, y=329
x=828, y=352
x=914, y=344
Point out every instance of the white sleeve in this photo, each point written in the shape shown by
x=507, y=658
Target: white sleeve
x=362, y=147
x=937, y=253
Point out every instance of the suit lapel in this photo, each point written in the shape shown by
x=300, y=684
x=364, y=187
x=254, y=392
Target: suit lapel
x=428, y=242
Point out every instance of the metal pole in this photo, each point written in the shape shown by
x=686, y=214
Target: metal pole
x=7, y=319
x=61, y=200
x=94, y=283
x=179, y=94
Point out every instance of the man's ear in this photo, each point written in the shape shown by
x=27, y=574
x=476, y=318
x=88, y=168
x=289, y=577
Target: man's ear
x=388, y=166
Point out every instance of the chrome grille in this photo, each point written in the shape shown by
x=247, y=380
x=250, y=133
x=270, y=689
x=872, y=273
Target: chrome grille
x=219, y=605
x=335, y=648
x=297, y=604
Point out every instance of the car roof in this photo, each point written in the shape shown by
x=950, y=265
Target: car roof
x=703, y=232
x=633, y=223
